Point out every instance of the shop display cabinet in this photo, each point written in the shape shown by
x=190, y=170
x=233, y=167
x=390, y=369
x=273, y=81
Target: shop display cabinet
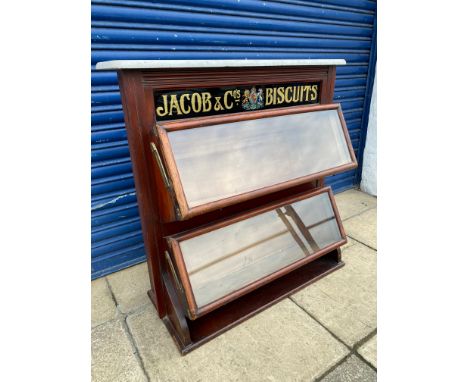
x=229, y=159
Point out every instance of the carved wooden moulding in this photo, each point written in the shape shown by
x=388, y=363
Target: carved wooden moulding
x=229, y=159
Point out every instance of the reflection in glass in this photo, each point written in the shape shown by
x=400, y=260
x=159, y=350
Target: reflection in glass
x=220, y=161
x=224, y=260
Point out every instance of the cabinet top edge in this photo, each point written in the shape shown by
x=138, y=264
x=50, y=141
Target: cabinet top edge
x=179, y=64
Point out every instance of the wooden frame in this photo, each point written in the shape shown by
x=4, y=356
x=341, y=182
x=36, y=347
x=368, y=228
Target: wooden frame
x=156, y=202
x=187, y=212
x=190, y=334
x=144, y=82
x=193, y=310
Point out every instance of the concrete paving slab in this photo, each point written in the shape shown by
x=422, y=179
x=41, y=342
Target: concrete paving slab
x=349, y=243
x=363, y=228
x=102, y=305
x=130, y=287
x=345, y=301
x=280, y=344
x=112, y=355
x=354, y=202
x=352, y=370
x=369, y=351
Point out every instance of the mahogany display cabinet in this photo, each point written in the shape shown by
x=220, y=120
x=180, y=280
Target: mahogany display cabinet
x=229, y=159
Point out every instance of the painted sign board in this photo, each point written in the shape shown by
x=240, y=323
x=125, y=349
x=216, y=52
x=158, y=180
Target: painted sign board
x=212, y=101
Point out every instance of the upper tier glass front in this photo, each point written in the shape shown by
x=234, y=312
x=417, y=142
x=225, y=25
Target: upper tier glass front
x=220, y=161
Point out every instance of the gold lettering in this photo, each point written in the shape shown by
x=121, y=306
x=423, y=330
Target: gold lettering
x=302, y=93
x=287, y=94
x=229, y=92
x=182, y=103
x=269, y=96
x=281, y=94
x=296, y=93
x=160, y=110
x=196, y=106
x=307, y=92
x=206, y=101
x=174, y=104
x=314, y=92
x=217, y=105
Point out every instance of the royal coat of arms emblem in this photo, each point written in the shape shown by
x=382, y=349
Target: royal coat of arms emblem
x=252, y=99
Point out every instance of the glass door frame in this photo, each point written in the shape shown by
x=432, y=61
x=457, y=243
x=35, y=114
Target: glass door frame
x=163, y=128
x=176, y=255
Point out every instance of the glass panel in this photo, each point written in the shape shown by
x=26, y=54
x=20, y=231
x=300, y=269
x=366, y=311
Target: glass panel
x=219, y=161
x=222, y=261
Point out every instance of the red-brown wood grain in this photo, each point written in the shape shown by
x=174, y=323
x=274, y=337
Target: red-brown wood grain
x=157, y=204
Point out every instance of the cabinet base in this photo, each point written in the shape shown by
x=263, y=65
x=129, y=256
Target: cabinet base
x=207, y=327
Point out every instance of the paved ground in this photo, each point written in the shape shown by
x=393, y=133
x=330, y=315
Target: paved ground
x=326, y=332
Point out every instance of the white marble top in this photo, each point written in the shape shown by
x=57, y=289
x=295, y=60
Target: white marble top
x=174, y=64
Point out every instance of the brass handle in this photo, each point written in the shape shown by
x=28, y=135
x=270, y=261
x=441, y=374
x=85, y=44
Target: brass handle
x=174, y=274
x=155, y=151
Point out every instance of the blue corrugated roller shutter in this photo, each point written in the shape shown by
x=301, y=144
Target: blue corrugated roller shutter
x=228, y=29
